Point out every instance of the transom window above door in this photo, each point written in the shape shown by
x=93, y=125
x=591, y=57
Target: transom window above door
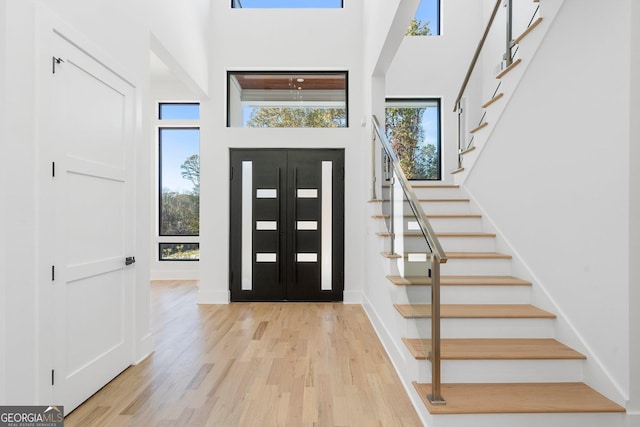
x=287, y=99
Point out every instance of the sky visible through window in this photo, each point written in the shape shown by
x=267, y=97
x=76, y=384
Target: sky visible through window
x=177, y=145
x=428, y=10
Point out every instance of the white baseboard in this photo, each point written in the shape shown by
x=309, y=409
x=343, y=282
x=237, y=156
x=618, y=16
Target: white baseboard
x=633, y=419
x=213, y=297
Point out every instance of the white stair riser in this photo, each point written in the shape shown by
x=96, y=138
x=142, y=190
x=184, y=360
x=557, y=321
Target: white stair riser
x=508, y=371
x=485, y=294
x=439, y=193
x=456, y=224
x=468, y=267
x=529, y=420
x=468, y=244
x=445, y=207
x=449, y=244
x=487, y=328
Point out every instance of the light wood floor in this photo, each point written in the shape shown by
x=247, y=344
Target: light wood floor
x=253, y=364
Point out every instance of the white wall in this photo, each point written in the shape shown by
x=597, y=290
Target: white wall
x=19, y=143
x=633, y=407
x=298, y=39
x=435, y=66
x=554, y=178
x=3, y=178
x=180, y=37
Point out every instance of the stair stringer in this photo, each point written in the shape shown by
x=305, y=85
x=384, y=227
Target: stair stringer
x=595, y=374
x=527, y=51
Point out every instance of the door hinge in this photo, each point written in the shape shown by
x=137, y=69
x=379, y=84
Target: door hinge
x=129, y=260
x=54, y=62
x=53, y=377
x=53, y=273
x=53, y=169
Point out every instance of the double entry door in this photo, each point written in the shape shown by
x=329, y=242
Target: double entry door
x=287, y=225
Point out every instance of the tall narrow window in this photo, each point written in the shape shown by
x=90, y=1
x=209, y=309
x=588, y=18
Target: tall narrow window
x=287, y=100
x=413, y=128
x=179, y=181
x=426, y=21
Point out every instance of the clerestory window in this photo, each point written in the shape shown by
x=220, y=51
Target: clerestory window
x=287, y=99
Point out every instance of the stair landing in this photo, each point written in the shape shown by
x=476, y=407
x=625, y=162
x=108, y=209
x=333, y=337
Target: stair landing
x=518, y=398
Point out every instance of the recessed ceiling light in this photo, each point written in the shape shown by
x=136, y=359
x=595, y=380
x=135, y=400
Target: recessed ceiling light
x=300, y=80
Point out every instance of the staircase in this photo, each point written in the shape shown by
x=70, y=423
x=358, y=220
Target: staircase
x=500, y=361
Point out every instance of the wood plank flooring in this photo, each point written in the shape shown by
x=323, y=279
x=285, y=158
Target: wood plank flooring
x=253, y=364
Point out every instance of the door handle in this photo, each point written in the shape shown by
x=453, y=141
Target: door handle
x=129, y=260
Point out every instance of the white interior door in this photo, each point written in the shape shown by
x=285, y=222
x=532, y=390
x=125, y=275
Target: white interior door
x=92, y=134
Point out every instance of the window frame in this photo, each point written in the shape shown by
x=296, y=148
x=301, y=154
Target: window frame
x=418, y=100
x=160, y=258
x=284, y=73
x=160, y=124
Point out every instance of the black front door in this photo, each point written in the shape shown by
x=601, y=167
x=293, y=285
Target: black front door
x=287, y=225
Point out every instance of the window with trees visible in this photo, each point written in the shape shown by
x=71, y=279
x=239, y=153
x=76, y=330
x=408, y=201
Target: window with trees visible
x=287, y=100
x=179, y=181
x=413, y=129
x=286, y=4
x=426, y=21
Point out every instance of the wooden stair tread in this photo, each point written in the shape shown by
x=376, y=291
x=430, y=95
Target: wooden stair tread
x=513, y=65
x=480, y=126
x=455, y=255
x=391, y=255
x=443, y=200
x=449, y=216
x=530, y=28
x=483, y=281
x=422, y=200
x=464, y=234
x=459, y=281
x=435, y=186
x=492, y=100
x=495, y=349
x=443, y=234
x=455, y=171
x=475, y=311
x=514, y=398
x=444, y=216
x=477, y=255
x=467, y=150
